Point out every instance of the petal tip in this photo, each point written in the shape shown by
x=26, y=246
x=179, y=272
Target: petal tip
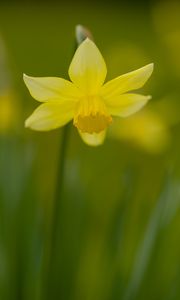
x=93, y=140
x=87, y=41
x=26, y=123
x=147, y=69
x=26, y=78
x=25, y=75
x=151, y=67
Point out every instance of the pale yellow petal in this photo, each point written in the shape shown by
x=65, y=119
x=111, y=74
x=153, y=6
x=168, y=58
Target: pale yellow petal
x=126, y=104
x=88, y=69
x=127, y=82
x=50, y=115
x=94, y=139
x=44, y=89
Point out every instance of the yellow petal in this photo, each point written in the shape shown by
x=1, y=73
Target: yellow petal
x=50, y=115
x=94, y=139
x=127, y=82
x=88, y=69
x=126, y=104
x=44, y=89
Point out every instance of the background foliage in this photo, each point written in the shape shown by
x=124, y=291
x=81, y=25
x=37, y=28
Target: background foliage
x=119, y=226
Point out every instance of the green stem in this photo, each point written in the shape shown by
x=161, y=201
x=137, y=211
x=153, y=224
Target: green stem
x=50, y=248
x=59, y=185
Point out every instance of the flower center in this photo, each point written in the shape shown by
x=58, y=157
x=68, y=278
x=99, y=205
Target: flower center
x=91, y=115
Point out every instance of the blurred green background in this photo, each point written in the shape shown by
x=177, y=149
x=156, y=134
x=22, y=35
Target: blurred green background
x=118, y=234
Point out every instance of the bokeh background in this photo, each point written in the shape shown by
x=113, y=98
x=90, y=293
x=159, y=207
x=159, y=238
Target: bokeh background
x=118, y=232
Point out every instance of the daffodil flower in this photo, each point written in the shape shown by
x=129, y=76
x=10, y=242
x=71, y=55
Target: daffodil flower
x=86, y=99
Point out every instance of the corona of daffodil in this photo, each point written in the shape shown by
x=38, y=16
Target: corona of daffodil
x=86, y=99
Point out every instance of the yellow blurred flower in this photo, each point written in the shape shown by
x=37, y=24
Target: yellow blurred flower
x=86, y=100
x=8, y=111
x=146, y=129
